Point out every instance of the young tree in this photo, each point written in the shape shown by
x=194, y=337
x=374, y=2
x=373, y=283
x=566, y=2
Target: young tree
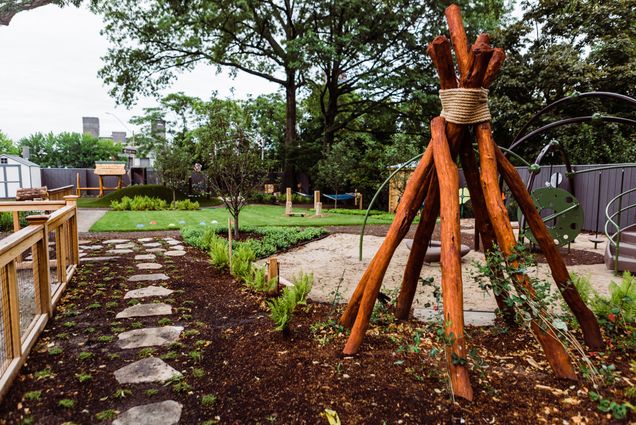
x=174, y=167
x=335, y=169
x=235, y=168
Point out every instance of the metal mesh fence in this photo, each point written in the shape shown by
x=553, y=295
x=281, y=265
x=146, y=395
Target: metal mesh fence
x=27, y=292
x=4, y=321
x=53, y=262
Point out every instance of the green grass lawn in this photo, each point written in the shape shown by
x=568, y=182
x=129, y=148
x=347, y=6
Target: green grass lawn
x=252, y=215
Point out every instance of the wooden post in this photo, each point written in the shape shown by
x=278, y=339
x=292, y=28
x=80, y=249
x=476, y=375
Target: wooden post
x=16, y=221
x=61, y=250
x=288, y=202
x=78, y=190
x=6, y=314
x=73, y=232
x=14, y=309
x=40, y=252
x=585, y=317
x=101, y=185
x=319, y=209
x=316, y=198
x=556, y=354
x=272, y=273
x=230, y=222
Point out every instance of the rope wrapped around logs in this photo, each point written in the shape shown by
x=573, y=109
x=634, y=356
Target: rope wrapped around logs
x=465, y=105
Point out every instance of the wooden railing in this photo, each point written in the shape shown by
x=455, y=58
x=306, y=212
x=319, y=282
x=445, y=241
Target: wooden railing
x=59, y=193
x=36, y=263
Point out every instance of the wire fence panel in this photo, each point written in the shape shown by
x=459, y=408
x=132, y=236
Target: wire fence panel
x=28, y=295
x=5, y=347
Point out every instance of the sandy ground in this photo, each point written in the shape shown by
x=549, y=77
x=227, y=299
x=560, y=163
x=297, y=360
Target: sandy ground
x=336, y=268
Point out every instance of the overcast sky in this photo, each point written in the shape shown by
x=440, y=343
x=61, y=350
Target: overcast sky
x=49, y=58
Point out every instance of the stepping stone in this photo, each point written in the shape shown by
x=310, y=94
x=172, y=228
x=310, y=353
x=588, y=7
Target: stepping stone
x=474, y=318
x=177, y=248
x=149, y=266
x=148, y=291
x=155, y=250
x=84, y=242
x=174, y=253
x=148, y=276
x=128, y=245
x=112, y=241
x=148, y=337
x=152, y=244
x=172, y=242
x=150, y=369
x=82, y=254
x=144, y=310
x=92, y=247
x=119, y=251
x=163, y=413
x=99, y=259
x=140, y=257
x=146, y=239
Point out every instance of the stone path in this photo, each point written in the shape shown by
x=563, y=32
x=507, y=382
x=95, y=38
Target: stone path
x=150, y=369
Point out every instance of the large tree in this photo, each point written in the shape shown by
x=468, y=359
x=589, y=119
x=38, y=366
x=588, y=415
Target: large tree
x=153, y=41
x=7, y=145
x=9, y=8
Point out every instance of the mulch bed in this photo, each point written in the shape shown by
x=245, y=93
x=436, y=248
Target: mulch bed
x=262, y=376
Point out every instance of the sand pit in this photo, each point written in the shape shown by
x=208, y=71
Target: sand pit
x=336, y=267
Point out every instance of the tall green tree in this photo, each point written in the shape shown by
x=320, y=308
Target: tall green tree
x=71, y=150
x=9, y=8
x=174, y=166
x=152, y=41
x=7, y=145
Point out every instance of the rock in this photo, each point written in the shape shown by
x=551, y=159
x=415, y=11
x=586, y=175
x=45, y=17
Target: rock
x=128, y=245
x=119, y=251
x=84, y=242
x=175, y=253
x=172, y=242
x=149, y=266
x=163, y=413
x=92, y=247
x=151, y=369
x=177, y=248
x=144, y=310
x=148, y=337
x=152, y=244
x=155, y=250
x=146, y=239
x=146, y=257
x=99, y=259
x=148, y=276
x=148, y=291
x=112, y=241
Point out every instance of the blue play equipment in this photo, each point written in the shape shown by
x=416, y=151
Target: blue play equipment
x=340, y=197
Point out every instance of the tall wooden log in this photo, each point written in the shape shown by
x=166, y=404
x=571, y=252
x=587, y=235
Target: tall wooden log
x=458, y=37
x=587, y=320
x=450, y=260
x=421, y=239
x=555, y=353
x=482, y=221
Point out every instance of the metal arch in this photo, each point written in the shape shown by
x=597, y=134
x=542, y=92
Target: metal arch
x=576, y=96
x=575, y=120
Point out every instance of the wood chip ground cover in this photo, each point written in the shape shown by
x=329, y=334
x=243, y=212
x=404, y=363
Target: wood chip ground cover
x=228, y=350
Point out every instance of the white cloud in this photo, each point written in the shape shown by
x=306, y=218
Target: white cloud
x=48, y=75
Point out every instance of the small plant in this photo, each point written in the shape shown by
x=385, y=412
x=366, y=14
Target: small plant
x=146, y=352
x=302, y=284
x=179, y=384
x=85, y=355
x=208, y=400
x=133, y=301
x=90, y=330
x=191, y=332
x=66, y=403
x=186, y=205
x=83, y=377
x=44, y=373
x=106, y=415
x=219, y=256
x=170, y=355
x=122, y=393
x=196, y=356
x=136, y=325
x=164, y=321
x=56, y=350
x=282, y=308
x=94, y=306
x=33, y=395
x=105, y=338
x=242, y=263
x=69, y=324
x=111, y=304
x=151, y=392
x=197, y=372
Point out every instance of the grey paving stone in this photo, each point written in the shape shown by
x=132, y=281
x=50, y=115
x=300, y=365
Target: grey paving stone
x=144, y=310
x=146, y=239
x=145, y=257
x=148, y=291
x=149, y=337
x=177, y=248
x=149, y=266
x=152, y=244
x=174, y=253
x=155, y=250
x=112, y=241
x=163, y=413
x=107, y=258
x=172, y=242
x=150, y=369
x=92, y=247
x=147, y=277
x=119, y=251
x=128, y=245
x=84, y=242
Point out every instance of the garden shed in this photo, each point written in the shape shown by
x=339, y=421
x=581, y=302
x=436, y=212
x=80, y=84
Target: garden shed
x=17, y=172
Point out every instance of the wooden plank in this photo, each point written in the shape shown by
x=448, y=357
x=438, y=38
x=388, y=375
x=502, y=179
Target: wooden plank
x=16, y=221
x=31, y=205
x=14, y=245
x=6, y=312
x=60, y=252
x=14, y=309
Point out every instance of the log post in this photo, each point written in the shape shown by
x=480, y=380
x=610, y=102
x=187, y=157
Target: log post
x=450, y=260
x=556, y=354
x=288, y=202
x=272, y=273
x=421, y=240
x=585, y=317
x=71, y=200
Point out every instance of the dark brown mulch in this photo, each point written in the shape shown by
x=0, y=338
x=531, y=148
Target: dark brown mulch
x=572, y=257
x=262, y=376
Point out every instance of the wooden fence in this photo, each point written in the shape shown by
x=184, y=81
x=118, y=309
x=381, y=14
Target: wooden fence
x=36, y=263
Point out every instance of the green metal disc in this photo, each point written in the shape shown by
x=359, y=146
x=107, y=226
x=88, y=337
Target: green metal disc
x=561, y=212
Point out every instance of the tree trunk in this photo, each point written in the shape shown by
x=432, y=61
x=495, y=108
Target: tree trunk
x=174, y=198
x=236, y=224
x=289, y=179
x=330, y=114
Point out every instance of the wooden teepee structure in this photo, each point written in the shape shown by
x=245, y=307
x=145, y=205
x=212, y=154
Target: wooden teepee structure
x=435, y=182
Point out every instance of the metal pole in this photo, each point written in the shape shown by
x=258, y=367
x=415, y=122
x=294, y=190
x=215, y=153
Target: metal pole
x=598, y=202
x=618, y=223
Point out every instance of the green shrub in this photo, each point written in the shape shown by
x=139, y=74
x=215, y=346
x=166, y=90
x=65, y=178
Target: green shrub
x=302, y=284
x=617, y=312
x=186, y=205
x=282, y=308
x=139, y=203
x=242, y=259
x=258, y=280
x=6, y=220
x=219, y=252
